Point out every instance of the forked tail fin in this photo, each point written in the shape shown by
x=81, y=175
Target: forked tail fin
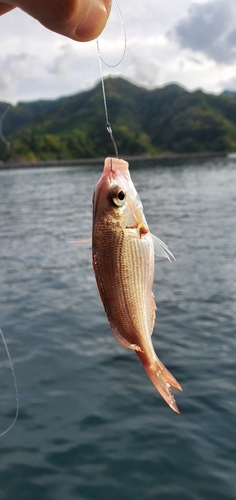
x=162, y=380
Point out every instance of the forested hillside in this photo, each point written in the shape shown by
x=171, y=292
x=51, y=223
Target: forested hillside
x=167, y=119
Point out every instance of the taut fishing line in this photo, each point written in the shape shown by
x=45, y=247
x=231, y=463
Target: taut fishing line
x=101, y=60
x=15, y=384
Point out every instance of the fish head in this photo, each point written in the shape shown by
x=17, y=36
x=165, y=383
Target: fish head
x=116, y=197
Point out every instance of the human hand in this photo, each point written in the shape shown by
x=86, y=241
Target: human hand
x=81, y=20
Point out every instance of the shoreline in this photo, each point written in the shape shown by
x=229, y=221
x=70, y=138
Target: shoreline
x=92, y=161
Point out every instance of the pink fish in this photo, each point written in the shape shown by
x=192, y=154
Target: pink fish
x=123, y=261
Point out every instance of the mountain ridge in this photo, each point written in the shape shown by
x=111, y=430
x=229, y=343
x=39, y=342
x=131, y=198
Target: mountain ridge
x=168, y=119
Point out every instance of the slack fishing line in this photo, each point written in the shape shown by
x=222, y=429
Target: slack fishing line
x=2, y=137
x=101, y=61
x=15, y=384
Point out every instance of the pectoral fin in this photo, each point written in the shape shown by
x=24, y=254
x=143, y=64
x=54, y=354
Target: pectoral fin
x=161, y=249
x=84, y=240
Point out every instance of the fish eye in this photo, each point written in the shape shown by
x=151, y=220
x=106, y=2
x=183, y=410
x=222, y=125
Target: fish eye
x=117, y=196
x=121, y=195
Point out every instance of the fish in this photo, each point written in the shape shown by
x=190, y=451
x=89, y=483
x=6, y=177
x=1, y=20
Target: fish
x=123, y=261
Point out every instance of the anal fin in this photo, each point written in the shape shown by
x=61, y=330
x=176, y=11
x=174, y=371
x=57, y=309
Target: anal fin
x=153, y=314
x=123, y=341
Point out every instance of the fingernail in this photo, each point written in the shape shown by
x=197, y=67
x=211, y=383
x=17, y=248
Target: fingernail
x=94, y=21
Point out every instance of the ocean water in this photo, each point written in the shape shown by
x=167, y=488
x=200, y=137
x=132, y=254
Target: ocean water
x=91, y=425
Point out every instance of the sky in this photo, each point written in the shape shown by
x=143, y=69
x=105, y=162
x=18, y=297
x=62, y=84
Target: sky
x=192, y=43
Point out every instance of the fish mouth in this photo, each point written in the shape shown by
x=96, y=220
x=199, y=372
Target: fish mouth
x=112, y=166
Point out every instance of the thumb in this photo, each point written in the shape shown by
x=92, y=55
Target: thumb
x=81, y=20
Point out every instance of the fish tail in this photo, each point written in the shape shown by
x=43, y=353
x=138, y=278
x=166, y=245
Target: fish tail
x=162, y=380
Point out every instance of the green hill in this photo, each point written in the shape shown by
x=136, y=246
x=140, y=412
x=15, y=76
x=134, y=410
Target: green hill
x=168, y=119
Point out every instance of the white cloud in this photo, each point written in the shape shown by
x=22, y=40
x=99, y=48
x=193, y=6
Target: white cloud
x=36, y=63
x=18, y=68
x=146, y=72
x=209, y=28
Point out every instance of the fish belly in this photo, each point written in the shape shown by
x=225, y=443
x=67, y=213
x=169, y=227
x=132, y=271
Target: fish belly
x=124, y=267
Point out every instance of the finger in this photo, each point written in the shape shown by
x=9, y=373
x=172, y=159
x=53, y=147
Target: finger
x=4, y=8
x=81, y=20
x=95, y=20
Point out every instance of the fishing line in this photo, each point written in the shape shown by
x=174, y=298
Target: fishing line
x=125, y=41
x=15, y=384
x=108, y=125
x=1, y=132
x=101, y=60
